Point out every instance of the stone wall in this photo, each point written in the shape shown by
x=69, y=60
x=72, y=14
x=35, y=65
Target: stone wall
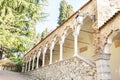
x=71, y=69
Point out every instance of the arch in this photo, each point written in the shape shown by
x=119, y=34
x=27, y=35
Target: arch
x=38, y=56
x=56, y=50
x=86, y=39
x=109, y=40
x=40, y=60
x=29, y=63
x=35, y=61
x=67, y=28
x=46, y=54
x=110, y=48
x=68, y=45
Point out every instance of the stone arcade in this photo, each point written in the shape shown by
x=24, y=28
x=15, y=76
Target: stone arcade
x=84, y=50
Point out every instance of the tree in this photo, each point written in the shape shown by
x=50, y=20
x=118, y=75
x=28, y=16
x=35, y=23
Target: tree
x=18, y=63
x=69, y=11
x=65, y=11
x=44, y=34
x=40, y=36
x=17, y=20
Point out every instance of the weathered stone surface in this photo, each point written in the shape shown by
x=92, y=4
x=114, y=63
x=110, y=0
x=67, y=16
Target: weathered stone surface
x=70, y=69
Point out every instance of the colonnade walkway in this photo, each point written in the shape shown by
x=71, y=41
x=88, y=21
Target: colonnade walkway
x=10, y=75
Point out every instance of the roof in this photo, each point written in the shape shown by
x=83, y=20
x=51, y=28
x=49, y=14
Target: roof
x=112, y=17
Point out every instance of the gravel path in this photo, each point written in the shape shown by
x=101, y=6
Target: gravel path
x=9, y=75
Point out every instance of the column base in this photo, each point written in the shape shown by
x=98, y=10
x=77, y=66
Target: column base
x=75, y=55
x=60, y=59
x=102, y=65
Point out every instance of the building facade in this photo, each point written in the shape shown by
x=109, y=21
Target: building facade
x=85, y=47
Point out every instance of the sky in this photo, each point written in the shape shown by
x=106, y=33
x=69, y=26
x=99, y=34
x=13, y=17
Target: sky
x=53, y=10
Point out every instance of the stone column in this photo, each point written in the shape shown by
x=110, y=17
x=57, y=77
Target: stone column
x=23, y=67
x=43, y=61
x=76, y=33
x=61, y=47
x=61, y=51
x=102, y=65
x=38, y=56
x=29, y=62
x=51, y=53
x=33, y=63
x=75, y=45
x=44, y=52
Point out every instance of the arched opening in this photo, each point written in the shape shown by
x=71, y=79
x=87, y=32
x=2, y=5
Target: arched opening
x=113, y=47
x=68, y=46
x=86, y=39
x=27, y=64
x=35, y=62
x=56, y=52
x=40, y=60
x=30, y=65
x=47, y=57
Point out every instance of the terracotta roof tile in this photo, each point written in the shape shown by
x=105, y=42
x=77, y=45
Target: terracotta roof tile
x=113, y=16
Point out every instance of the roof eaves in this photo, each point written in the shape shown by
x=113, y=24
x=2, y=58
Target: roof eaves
x=109, y=20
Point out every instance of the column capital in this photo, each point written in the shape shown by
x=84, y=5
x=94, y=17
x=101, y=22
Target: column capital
x=61, y=42
x=76, y=31
x=103, y=56
x=39, y=52
x=29, y=59
x=62, y=39
x=52, y=45
x=45, y=49
x=34, y=56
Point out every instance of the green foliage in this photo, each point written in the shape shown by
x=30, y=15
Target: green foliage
x=69, y=11
x=65, y=11
x=17, y=20
x=41, y=36
x=16, y=60
x=18, y=63
x=44, y=34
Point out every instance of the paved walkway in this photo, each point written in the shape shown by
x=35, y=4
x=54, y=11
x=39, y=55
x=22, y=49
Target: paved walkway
x=9, y=75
